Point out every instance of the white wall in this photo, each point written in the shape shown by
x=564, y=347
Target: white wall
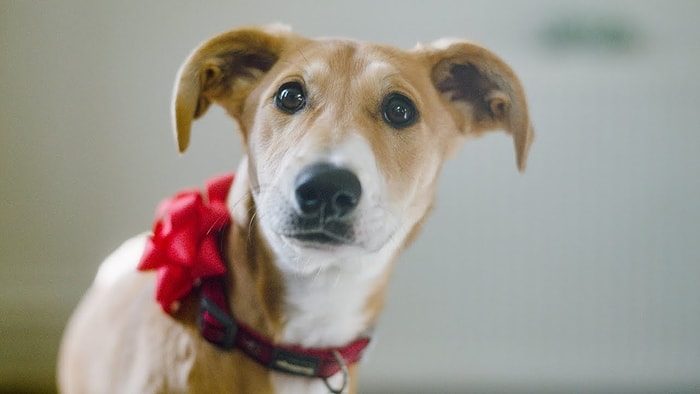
x=580, y=275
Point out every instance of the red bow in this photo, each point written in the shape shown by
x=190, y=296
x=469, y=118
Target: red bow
x=184, y=246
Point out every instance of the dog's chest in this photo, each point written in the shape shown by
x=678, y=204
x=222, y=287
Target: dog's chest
x=325, y=309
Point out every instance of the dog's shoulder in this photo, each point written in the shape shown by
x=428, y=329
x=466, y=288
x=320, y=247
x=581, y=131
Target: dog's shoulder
x=118, y=329
x=121, y=262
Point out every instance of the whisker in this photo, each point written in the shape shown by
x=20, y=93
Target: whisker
x=250, y=226
x=304, y=57
x=319, y=270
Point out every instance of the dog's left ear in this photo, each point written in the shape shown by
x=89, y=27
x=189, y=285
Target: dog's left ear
x=223, y=70
x=483, y=92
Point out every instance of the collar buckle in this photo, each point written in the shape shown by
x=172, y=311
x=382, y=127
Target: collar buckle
x=215, y=325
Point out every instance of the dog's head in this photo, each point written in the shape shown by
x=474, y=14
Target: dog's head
x=345, y=139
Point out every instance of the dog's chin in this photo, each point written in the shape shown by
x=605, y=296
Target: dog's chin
x=308, y=252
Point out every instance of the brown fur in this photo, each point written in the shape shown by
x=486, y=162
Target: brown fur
x=120, y=341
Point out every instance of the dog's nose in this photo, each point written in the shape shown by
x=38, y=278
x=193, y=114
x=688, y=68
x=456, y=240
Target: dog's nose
x=327, y=189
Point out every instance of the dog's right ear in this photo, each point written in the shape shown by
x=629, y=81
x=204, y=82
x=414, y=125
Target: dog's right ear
x=223, y=70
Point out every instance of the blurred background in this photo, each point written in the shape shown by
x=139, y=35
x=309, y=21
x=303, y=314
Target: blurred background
x=582, y=275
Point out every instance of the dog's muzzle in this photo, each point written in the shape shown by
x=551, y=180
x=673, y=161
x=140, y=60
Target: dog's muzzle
x=326, y=196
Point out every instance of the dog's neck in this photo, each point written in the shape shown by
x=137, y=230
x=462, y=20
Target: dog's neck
x=325, y=308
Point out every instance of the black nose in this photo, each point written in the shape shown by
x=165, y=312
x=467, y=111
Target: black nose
x=328, y=190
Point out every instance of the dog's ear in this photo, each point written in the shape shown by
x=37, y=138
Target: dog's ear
x=223, y=70
x=482, y=92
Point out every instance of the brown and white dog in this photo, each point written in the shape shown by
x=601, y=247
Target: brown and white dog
x=344, y=142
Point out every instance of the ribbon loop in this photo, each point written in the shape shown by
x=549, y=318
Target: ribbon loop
x=184, y=245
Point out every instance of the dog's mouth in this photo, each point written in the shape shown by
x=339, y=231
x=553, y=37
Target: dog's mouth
x=332, y=233
x=320, y=238
x=366, y=233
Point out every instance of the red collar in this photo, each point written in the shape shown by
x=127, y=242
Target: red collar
x=218, y=326
x=184, y=249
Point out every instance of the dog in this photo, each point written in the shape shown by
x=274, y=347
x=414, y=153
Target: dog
x=343, y=141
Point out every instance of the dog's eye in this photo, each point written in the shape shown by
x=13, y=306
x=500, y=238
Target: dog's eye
x=399, y=111
x=290, y=97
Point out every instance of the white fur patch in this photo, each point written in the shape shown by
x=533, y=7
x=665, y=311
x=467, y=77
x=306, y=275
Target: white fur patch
x=315, y=69
x=121, y=262
x=377, y=68
x=284, y=383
